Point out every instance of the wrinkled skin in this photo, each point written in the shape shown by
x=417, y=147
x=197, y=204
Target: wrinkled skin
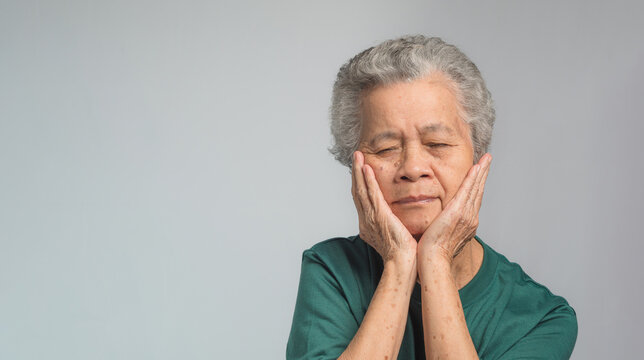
x=413, y=183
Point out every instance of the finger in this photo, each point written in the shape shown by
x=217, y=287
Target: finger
x=354, y=185
x=479, y=197
x=464, y=191
x=375, y=194
x=361, y=186
x=482, y=163
x=382, y=211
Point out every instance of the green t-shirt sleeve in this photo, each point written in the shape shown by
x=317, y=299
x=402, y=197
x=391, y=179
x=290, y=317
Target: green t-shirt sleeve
x=323, y=324
x=553, y=338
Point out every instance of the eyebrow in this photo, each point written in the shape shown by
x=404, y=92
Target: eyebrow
x=437, y=128
x=433, y=128
x=387, y=135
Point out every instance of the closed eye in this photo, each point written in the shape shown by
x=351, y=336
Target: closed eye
x=384, y=151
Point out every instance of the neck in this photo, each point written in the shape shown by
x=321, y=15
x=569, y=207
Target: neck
x=467, y=263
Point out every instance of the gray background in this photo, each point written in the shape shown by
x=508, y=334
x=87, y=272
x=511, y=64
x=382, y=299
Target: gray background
x=164, y=164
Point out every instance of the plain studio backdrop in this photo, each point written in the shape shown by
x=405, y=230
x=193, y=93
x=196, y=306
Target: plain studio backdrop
x=164, y=164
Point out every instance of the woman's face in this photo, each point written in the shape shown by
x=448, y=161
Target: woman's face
x=419, y=148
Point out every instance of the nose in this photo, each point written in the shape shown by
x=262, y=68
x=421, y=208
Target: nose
x=415, y=164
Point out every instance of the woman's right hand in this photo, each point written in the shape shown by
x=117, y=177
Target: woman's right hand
x=379, y=226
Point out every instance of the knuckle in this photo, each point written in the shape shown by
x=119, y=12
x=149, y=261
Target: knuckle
x=370, y=215
x=367, y=215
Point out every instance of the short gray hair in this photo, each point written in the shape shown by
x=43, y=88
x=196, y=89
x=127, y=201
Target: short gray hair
x=406, y=59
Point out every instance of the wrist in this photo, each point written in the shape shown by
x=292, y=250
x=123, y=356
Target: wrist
x=432, y=261
x=401, y=264
x=434, y=254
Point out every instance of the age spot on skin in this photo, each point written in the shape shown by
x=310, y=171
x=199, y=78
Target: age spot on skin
x=426, y=288
x=434, y=337
x=393, y=305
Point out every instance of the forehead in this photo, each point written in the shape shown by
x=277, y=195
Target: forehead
x=424, y=105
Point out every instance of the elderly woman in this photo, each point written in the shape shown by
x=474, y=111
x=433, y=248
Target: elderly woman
x=413, y=119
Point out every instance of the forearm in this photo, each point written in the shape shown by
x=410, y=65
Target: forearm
x=444, y=326
x=382, y=329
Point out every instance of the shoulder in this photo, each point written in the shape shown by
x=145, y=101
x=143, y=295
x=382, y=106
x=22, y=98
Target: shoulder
x=339, y=251
x=535, y=298
x=348, y=263
x=525, y=286
x=336, y=244
x=536, y=322
x=329, y=305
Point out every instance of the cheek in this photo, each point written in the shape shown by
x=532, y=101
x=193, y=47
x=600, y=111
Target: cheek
x=452, y=180
x=384, y=175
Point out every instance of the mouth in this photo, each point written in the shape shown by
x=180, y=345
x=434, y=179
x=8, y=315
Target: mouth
x=415, y=200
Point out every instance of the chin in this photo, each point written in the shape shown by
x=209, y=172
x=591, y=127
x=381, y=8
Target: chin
x=416, y=230
x=417, y=220
x=417, y=226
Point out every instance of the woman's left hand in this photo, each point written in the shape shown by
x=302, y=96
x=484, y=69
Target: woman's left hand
x=457, y=223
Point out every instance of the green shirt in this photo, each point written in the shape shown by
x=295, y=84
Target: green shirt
x=509, y=315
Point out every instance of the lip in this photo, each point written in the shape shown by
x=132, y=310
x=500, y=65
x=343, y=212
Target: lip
x=420, y=199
